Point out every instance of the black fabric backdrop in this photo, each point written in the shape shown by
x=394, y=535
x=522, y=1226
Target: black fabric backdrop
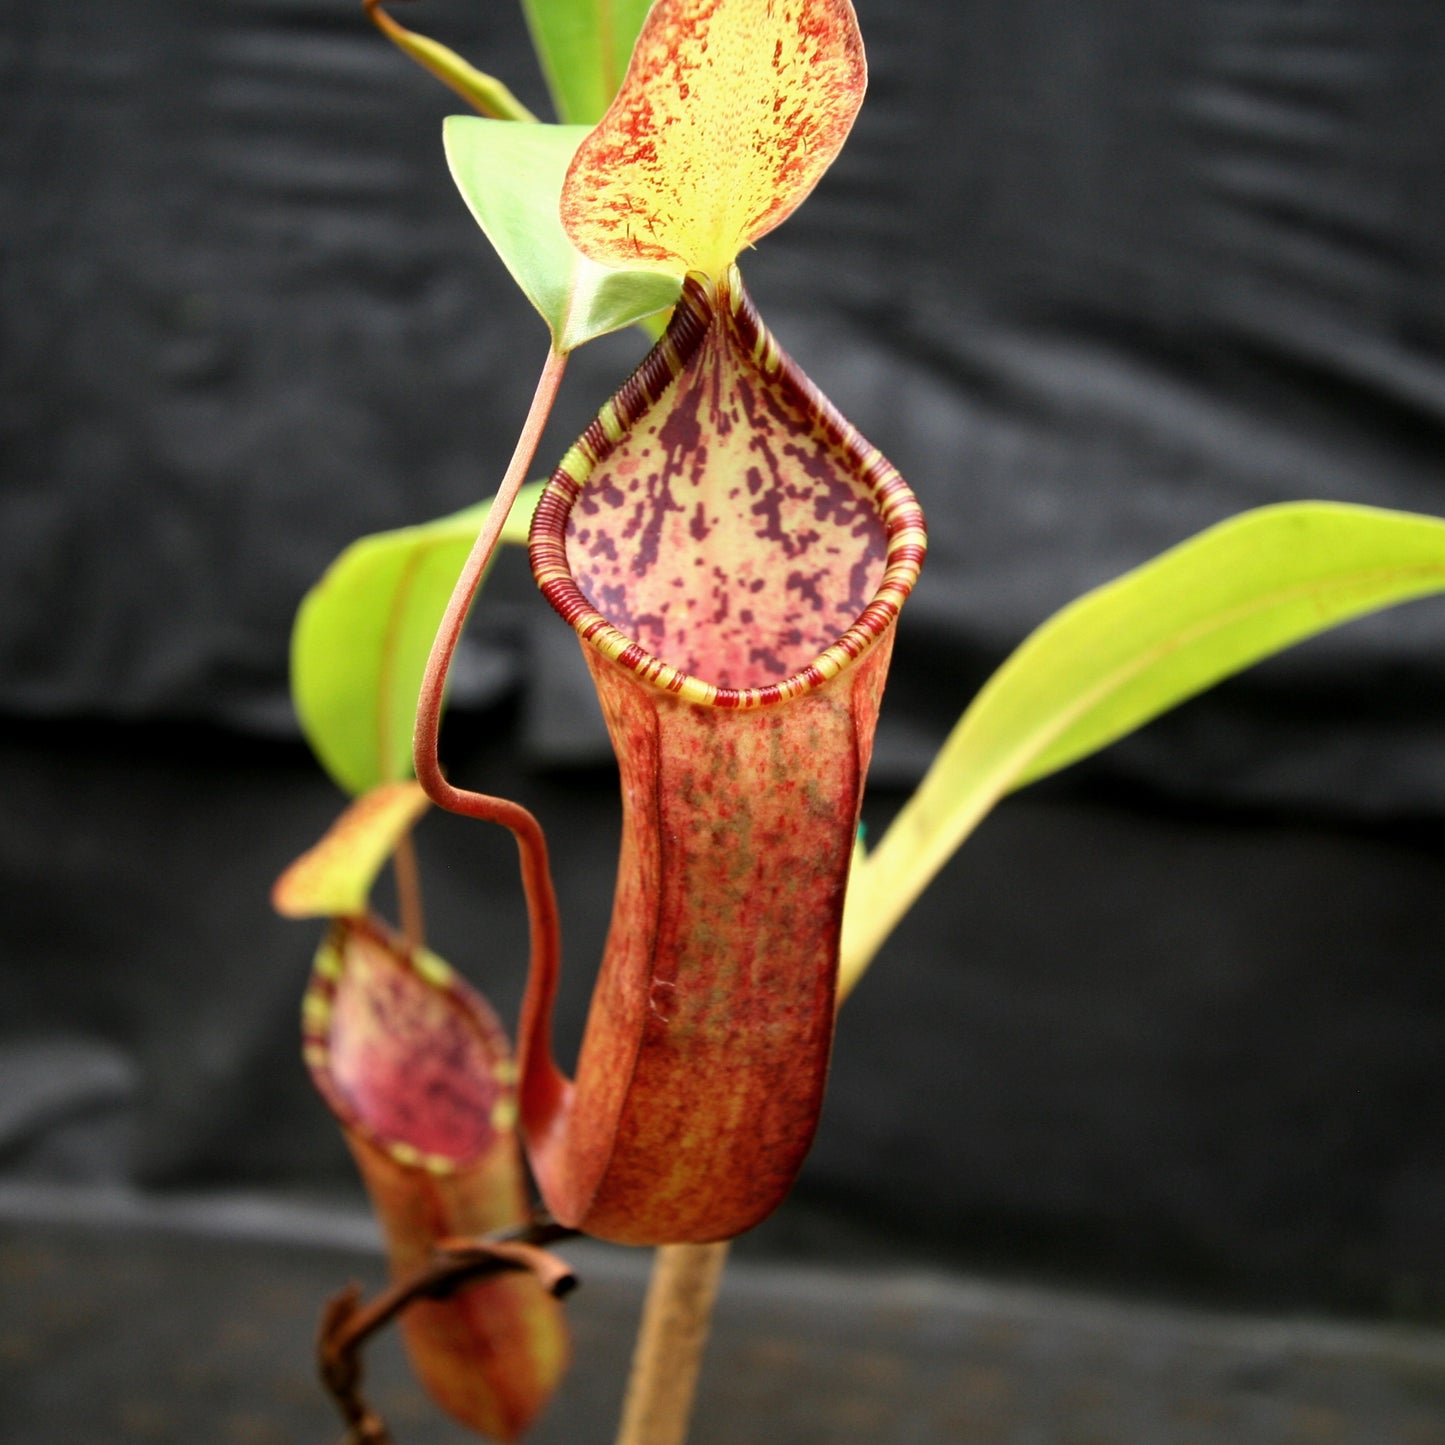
x=1093, y=276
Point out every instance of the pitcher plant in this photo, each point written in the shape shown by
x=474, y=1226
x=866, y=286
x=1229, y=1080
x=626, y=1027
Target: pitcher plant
x=733, y=557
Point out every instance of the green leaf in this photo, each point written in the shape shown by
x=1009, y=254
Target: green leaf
x=510, y=174
x=584, y=47
x=1121, y=655
x=362, y=635
x=484, y=92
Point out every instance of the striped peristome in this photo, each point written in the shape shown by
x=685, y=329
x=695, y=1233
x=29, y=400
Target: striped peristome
x=701, y=311
x=376, y=1010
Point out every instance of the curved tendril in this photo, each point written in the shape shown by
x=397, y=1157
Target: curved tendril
x=444, y=645
x=542, y=915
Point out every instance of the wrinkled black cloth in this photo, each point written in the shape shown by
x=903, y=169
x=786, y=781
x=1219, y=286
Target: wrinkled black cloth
x=1093, y=276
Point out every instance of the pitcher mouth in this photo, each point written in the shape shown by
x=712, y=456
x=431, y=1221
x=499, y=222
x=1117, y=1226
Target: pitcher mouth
x=470, y=1100
x=894, y=506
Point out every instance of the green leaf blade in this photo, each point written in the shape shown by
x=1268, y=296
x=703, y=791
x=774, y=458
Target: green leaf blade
x=1131, y=650
x=1224, y=600
x=362, y=636
x=510, y=174
x=484, y=92
x=584, y=47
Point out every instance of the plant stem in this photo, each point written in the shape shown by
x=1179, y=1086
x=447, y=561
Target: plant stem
x=668, y=1355
x=347, y=1322
x=408, y=892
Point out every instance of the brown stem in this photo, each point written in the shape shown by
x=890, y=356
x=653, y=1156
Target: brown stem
x=668, y=1354
x=347, y=1323
x=408, y=893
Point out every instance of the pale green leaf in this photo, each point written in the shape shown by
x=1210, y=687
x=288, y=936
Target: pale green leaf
x=362, y=635
x=510, y=175
x=584, y=47
x=1131, y=650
